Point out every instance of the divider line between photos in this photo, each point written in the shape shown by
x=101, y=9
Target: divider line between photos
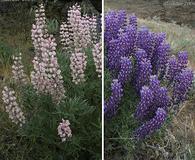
x=102, y=79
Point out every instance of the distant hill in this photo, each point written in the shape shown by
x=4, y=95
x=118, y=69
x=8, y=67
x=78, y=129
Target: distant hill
x=180, y=11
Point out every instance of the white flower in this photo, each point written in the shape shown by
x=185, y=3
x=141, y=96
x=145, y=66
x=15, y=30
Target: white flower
x=46, y=77
x=97, y=57
x=17, y=70
x=64, y=130
x=11, y=106
x=78, y=65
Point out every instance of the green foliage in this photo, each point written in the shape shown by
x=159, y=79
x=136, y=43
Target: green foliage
x=44, y=116
x=91, y=89
x=52, y=26
x=119, y=139
x=88, y=8
x=6, y=54
x=38, y=138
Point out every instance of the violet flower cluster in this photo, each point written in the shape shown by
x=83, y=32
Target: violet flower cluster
x=152, y=125
x=175, y=65
x=142, y=58
x=112, y=104
x=46, y=76
x=77, y=34
x=183, y=82
x=125, y=70
x=153, y=98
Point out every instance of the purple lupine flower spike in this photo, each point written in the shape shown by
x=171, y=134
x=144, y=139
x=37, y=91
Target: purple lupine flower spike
x=144, y=104
x=114, y=21
x=182, y=59
x=143, y=38
x=172, y=68
x=112, y=54
x=152, y=125
x=148, y=41
x=121, y=47
x=182, y=84
x=111, y=27
x=131, y=32
x=143, y=72
x=140, y=54
x=162, y=58
x=133, y=20
x=125, y=70
x=161, y=97
x=151, y=41
x=111, y=105
x=122, y=17
x=126, y=42
x=154, y=83
x=160, y=38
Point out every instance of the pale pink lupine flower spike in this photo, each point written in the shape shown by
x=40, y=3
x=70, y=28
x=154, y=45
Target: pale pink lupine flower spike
x=18, y=70
x=64, y=130
x=66, y=37
x=46, y=76
x=78, y=65
x=77, y=34
x=97, y=57
x=11, y=106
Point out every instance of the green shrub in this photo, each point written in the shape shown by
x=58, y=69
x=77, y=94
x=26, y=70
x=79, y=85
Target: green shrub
x=38, y=138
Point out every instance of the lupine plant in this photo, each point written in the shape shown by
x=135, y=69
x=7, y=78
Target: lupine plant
x=19, y=75
x=139, y=64
x=57, y=107
x=79, y=32
x=15, y=113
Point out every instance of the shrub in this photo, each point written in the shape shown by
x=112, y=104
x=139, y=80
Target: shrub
x=148, y=83
x=59, y=119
